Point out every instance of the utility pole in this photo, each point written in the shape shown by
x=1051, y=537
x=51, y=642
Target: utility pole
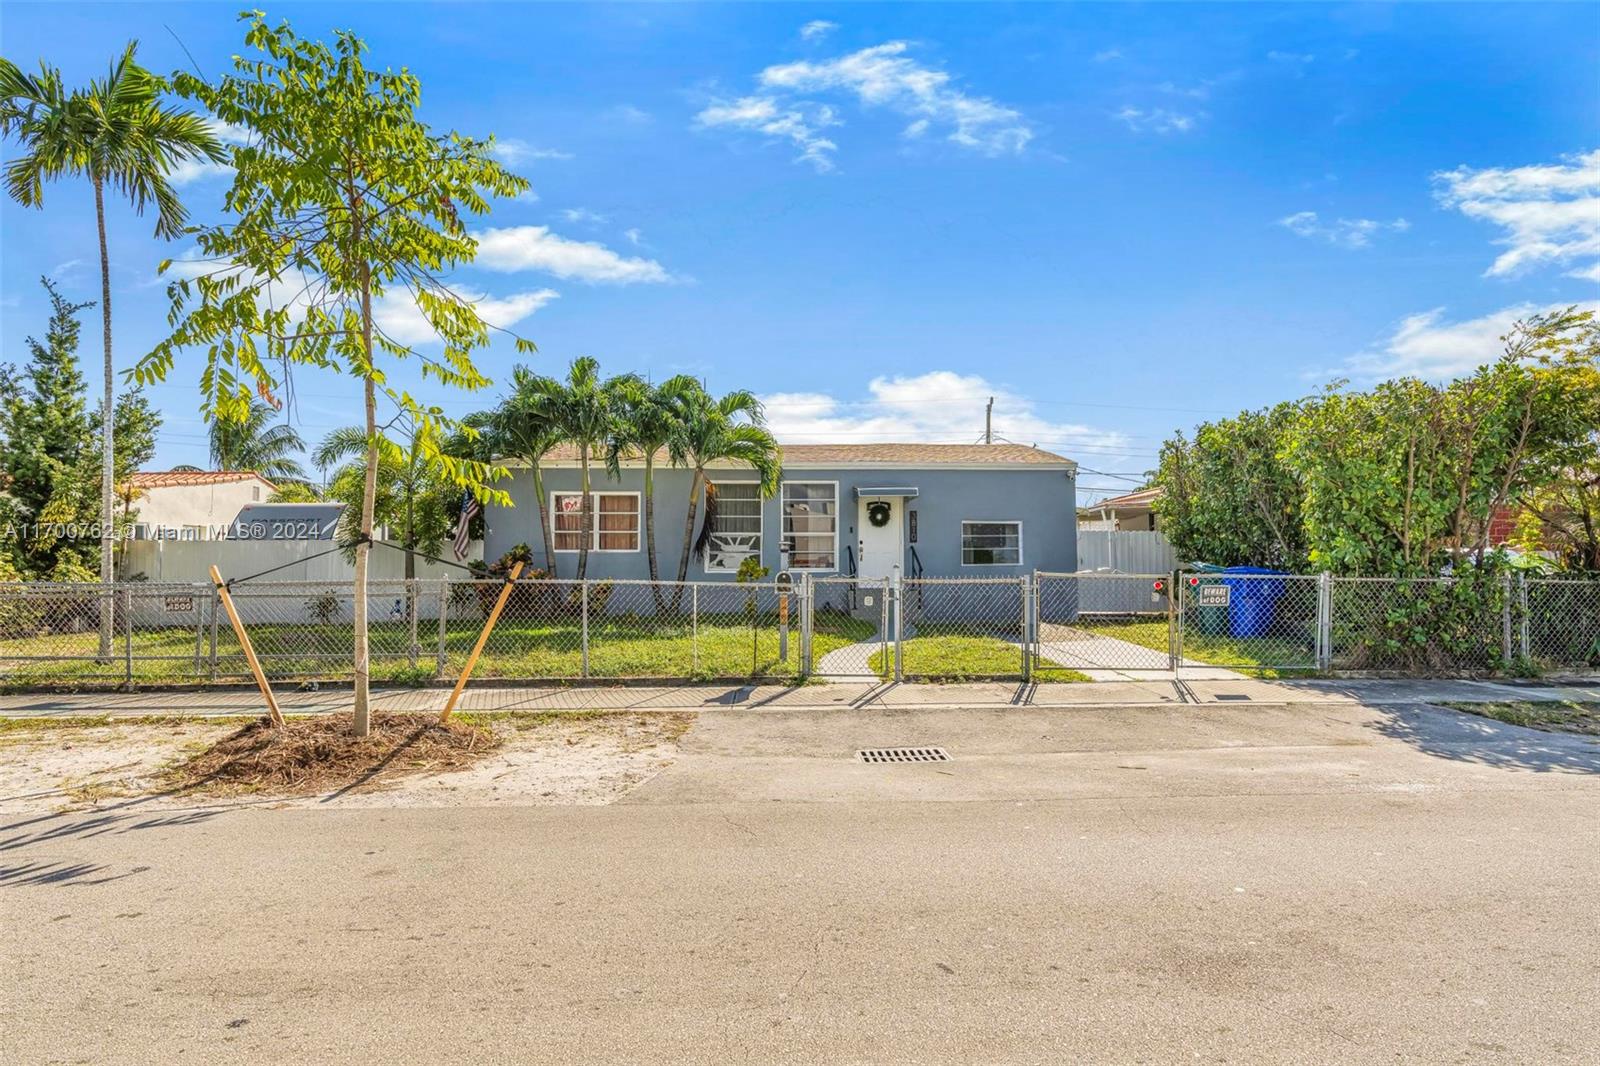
x=988, y=422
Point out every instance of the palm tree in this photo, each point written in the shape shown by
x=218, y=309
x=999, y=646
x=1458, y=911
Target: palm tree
x=652, y=420
x=586, y=409
x=411, y=497
x=115, y=132
x=253, y=444
x=523, y=427
x=732, y=429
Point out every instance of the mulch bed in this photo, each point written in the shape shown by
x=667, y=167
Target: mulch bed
x=315, y=755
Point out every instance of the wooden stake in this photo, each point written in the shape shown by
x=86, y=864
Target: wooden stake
x=483, y=638
x=249, y=649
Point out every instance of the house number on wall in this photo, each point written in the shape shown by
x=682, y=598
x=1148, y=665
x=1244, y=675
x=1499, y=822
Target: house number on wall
x=911, y=518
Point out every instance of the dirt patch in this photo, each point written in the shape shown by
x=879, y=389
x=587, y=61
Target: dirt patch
x=320, y=755
x=520, y=759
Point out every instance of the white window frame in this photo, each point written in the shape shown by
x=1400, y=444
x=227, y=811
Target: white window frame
x=783, y=535
x=965, y=522
x=761, y=530
x=594, y=514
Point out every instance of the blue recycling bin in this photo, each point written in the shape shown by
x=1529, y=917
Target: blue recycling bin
x=1252, y=601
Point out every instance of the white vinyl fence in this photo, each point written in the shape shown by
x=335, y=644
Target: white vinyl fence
x=1126, y=552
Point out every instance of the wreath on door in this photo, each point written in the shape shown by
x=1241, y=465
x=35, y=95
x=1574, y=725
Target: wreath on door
x=878, y=514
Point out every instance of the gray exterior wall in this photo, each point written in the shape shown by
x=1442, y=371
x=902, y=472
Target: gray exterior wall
x=1043, y=500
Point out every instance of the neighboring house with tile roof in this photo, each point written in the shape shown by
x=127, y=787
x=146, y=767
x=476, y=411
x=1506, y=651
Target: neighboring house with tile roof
x=193, y=504
x=1126, y=513
x=863, y=510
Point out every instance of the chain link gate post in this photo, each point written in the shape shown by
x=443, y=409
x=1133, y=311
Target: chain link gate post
x=899, y=608
x=1505, y=621
x=1027, y=632
x=1324, y=622
x=806, y=604
x=694, y=628
x=1178, y=606
x=444, y=625
x=127, y=639
x=583, y=595
x=1522, y=604
x=216, y=608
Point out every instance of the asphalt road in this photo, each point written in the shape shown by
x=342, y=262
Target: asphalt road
x=1307, y=884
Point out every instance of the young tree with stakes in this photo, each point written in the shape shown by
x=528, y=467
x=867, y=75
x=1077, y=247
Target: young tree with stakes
x=342, y=198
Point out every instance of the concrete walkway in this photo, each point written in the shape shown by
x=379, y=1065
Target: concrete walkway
x=864, y=695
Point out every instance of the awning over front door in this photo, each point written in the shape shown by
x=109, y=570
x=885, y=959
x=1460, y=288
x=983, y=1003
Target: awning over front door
x=906, y=491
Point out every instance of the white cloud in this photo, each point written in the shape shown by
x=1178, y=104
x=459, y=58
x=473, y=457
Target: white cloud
x=1343, y=232
x=1108, y=54
x=584, y=216
x=882, y=76
x=513, y=152
x=398, y=316
x=515, y=248
x=1427, y=346
x=1548, y=213
x=1157, y=120
x=817, y=29
x=634, y=235
x=1294, y=60
x=940, y=406
x=764, y=114
x=188, y=171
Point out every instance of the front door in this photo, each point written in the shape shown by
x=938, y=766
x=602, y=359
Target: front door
x=879, y=520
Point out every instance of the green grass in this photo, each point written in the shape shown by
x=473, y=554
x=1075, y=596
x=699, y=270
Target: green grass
x=944, y=652
x=1258, y=654
x=1552, y=716
x=728, y=646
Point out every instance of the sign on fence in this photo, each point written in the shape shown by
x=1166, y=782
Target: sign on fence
x=1214, y=595
x=178, y=604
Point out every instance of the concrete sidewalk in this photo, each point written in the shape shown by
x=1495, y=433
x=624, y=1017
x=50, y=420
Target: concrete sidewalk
x=862, y=696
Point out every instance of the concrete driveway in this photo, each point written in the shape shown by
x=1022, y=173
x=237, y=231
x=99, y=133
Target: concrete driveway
x=1309, y=883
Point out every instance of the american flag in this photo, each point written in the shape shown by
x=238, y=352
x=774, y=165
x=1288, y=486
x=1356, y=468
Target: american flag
x=469, y=510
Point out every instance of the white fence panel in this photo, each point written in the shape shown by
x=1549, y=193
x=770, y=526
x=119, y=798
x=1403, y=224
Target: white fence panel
x=1127, y=551
x=190, y=560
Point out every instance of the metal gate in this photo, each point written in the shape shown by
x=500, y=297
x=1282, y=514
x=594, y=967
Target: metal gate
x=1104, y=627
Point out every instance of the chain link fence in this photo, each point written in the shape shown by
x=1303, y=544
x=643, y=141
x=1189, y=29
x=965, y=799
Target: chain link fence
x=1043, y=627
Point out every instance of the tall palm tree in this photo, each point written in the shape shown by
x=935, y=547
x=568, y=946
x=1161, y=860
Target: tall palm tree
x=587, y=409
x=255, y=444
x=116, y=133
x=524, y=427
x=651, y=420
x=732, y=429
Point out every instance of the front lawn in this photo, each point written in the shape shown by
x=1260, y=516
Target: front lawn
x=947, y=653
x=1260, y=654
x=619, y=647
x=1552, y=716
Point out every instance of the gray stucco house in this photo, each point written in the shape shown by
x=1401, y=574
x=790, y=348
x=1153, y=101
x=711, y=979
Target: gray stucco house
x=934, y=510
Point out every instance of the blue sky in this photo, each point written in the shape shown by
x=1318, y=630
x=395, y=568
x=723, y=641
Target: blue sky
x=1120, y=220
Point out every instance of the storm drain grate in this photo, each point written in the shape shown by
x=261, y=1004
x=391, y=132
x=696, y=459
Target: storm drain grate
x=903, y=755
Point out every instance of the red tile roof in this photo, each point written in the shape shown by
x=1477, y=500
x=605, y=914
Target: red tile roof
x=160, y=479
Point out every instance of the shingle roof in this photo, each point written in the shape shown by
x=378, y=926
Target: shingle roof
x=909, y=454
x=156, y=479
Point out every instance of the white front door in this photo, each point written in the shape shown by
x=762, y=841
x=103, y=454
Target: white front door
x=878, y=549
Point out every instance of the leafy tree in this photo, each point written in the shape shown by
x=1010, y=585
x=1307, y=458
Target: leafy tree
x=342, y=198
x=1406, y=478
x=253, y=443
x=114, y=132
x=1228, y=498
x=730, y=429
x=51, y=463
x=587, y=409
x=651, y=421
